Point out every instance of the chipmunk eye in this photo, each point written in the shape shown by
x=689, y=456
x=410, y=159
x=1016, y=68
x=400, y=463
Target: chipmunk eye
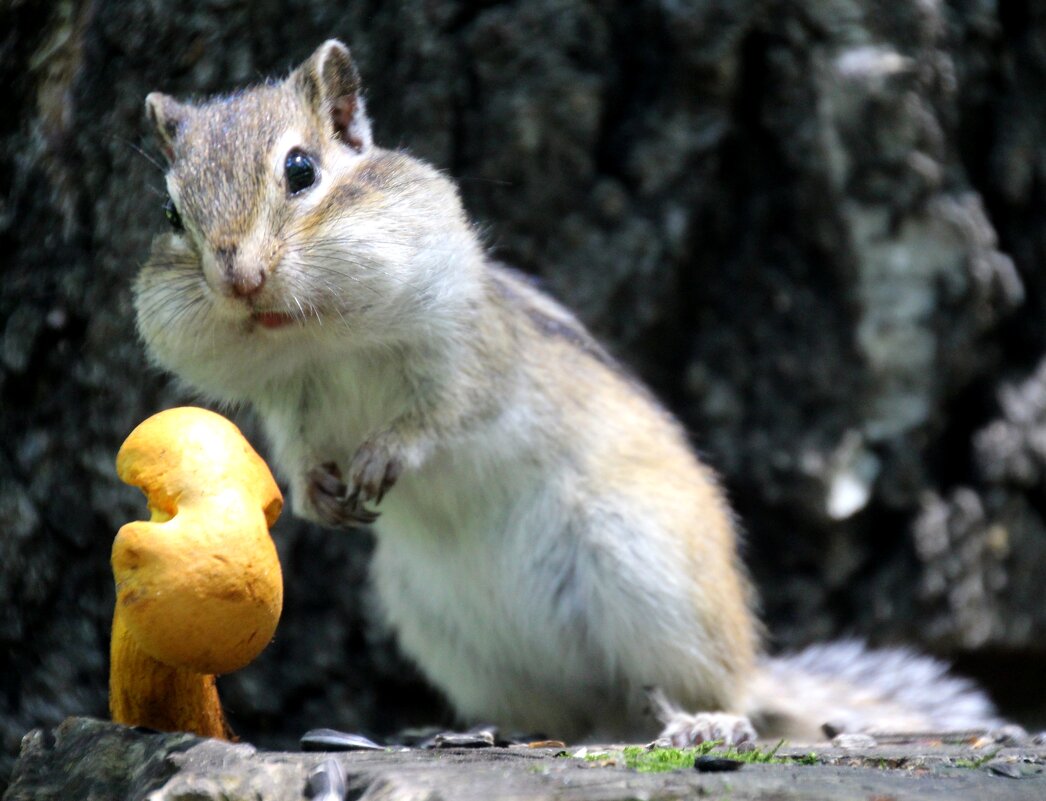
x=173, y=217
x=300, y=171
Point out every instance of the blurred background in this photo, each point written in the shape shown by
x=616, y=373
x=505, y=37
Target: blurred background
x=814, y=227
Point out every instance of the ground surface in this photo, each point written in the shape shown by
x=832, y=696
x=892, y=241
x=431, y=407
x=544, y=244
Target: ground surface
x=86, y=758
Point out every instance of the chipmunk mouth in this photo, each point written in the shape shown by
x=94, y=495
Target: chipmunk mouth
x=273, y=319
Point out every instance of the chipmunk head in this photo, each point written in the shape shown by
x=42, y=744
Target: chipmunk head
x=288, y=224
x=259, y=163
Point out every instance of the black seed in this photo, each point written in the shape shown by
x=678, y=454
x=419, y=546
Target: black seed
x=326, y=782
x=333, y=740
x=711, y=764
x=483, y=739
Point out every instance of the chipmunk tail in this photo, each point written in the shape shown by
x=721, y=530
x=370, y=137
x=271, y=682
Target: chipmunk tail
x=846, y=687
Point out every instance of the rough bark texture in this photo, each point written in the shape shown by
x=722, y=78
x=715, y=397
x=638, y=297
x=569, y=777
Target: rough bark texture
x=815, y=227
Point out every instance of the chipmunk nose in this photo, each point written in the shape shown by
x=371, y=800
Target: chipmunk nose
x=247, y=283
x=243, y=280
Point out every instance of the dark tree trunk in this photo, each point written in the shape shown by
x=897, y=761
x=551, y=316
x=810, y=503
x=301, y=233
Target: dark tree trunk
x=815, y=228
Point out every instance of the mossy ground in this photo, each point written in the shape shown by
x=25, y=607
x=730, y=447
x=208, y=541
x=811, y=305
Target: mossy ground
x=658, y=760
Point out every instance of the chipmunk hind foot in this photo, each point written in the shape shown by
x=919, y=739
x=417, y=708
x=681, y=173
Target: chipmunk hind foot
x=845, y=687
x=685, y=729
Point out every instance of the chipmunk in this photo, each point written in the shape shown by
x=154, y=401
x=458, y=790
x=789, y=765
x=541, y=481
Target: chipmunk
x=550, y=551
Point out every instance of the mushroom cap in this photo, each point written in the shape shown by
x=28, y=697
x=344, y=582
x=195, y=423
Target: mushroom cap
x=199, y=585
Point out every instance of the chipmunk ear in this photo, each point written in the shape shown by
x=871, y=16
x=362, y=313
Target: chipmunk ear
x=330, y=84
x=166, y=116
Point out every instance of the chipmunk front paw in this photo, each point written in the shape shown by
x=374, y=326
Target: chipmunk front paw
x=339, y=500
x=332, y=502
x=373, y=470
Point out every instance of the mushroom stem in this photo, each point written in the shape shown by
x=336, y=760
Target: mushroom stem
x=146, y=692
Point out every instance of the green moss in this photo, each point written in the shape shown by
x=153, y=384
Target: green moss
x=976, y=763
x=658, y=760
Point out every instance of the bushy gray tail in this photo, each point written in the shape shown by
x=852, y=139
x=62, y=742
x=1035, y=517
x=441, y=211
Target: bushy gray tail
x=855, y=689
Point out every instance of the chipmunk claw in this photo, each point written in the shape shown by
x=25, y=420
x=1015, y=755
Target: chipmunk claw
x=374, y=470
x=333, y=502
x=685, y=730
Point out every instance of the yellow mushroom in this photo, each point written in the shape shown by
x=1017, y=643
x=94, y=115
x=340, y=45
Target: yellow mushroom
x=198, y=586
